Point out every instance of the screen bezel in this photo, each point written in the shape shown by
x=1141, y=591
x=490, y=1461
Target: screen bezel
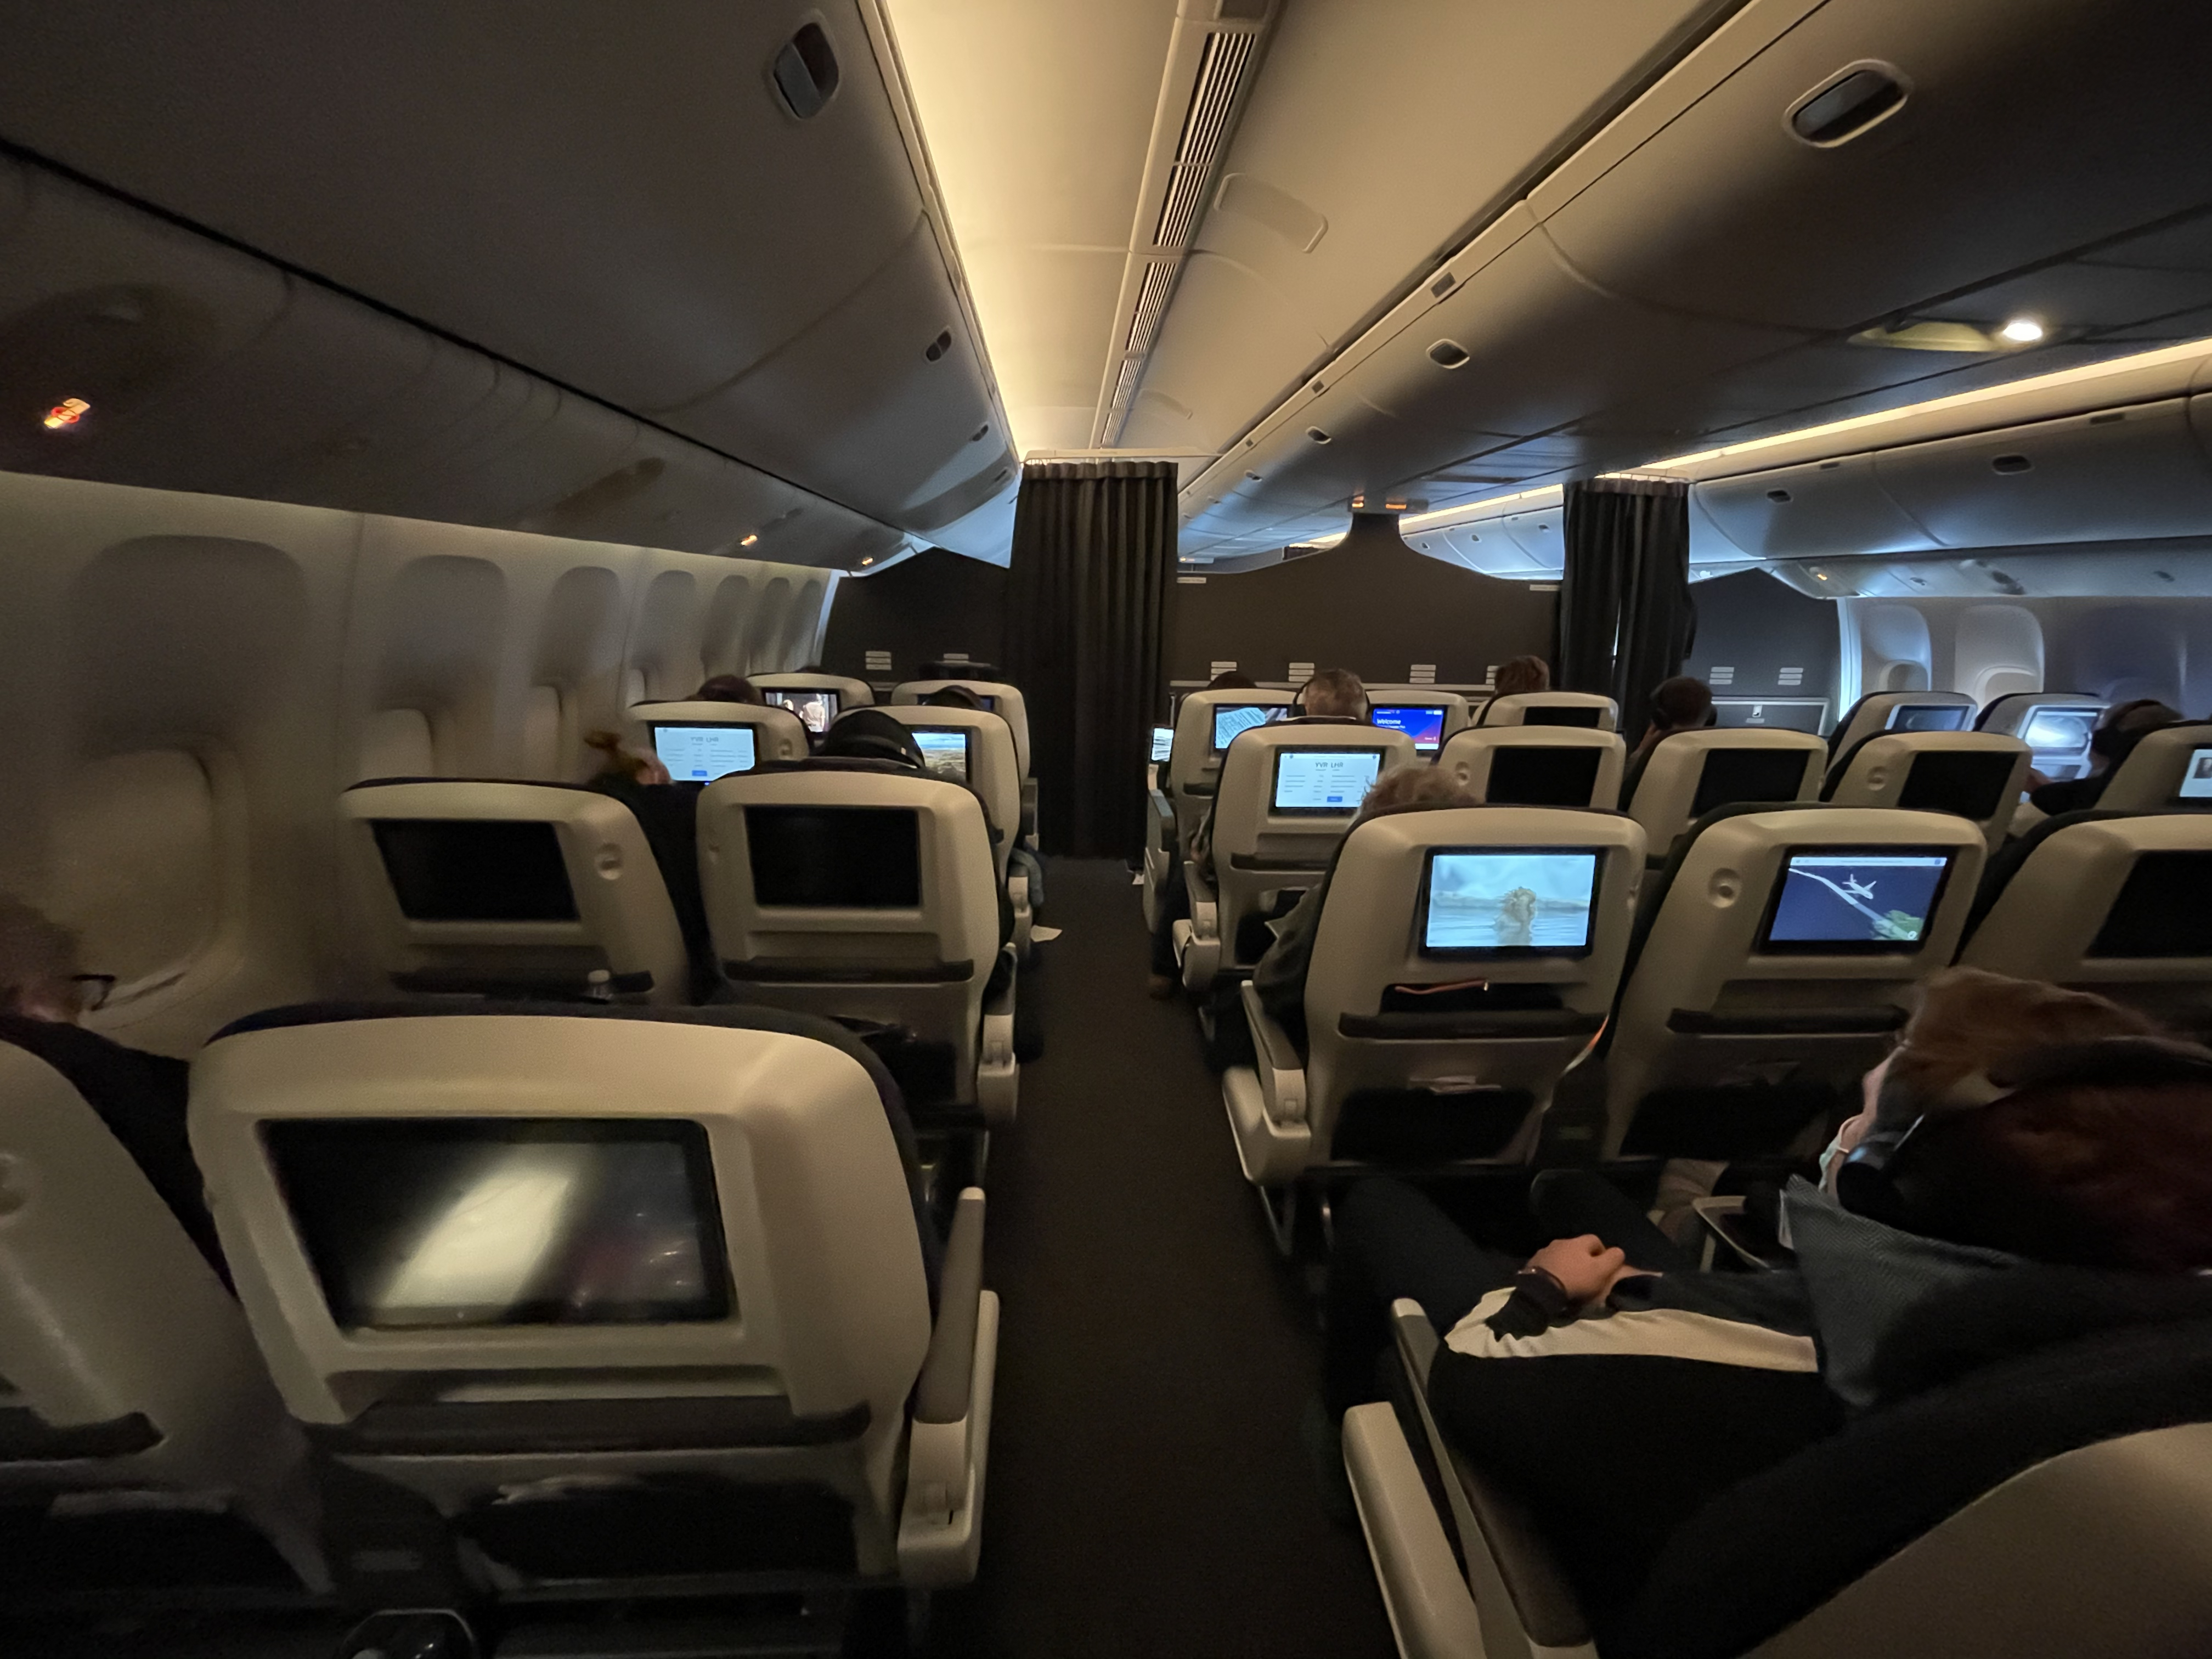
x=688, y=1135
x=1444, y=717
x=1423, y=949
x=967, y=736
x=1762, y=944
x=1275, y=778
x=1897, y=711
x=2192, y=803
x=1213, y=722
x=659, y=726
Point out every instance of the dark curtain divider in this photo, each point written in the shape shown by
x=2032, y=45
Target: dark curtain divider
x=1094, y=547
x=1625, y=618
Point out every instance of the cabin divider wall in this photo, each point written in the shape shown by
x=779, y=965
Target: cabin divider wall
x=190, y=681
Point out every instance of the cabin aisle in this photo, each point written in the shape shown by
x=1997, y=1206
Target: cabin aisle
x=1149, y=1496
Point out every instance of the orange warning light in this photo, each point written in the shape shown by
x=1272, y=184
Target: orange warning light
x=66, y=413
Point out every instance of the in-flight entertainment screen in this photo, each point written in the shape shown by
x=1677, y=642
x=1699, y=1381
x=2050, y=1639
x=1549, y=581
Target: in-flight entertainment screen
x=1838, y=901
x=2195, y=777
x=1424, y=722
x=1230, y=718
x=1162, y=744
x=1497, y=901
x=817, y=710
x=1323, y=780
x=700, y=754
x=946, y=751
x=1929, y=717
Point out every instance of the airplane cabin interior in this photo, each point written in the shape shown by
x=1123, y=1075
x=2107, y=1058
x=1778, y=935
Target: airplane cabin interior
x=996, y=830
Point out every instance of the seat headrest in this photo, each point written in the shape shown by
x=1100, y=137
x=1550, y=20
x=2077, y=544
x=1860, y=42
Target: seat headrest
x=871, y=735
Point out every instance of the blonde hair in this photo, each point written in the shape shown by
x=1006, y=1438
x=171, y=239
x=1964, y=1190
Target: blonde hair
x=1412, y=786
x=1335, y=692
x=1967, y=1022
x=38, y=958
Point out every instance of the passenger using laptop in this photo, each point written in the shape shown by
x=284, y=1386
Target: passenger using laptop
x=2123, y=727
x=141, y=1097
x=1616, y=1390
x=1679, y=704
x=1334, y=694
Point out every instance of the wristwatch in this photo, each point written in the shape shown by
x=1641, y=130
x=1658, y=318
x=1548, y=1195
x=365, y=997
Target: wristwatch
x=1541, y=1286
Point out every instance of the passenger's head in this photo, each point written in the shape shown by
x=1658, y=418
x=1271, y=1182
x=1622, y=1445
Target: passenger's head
x=1967, y=1024
x=727, y=688
x=1232, y=681
x=953, y=696
x=1334, y=694
x=871, y=735
x=1522, y=676
x=1680, y=704
x=1414, y=788
x=38, y=965
x=2125, y=725
x=617, y=759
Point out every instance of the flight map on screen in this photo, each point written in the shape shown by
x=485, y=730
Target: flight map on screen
x=1510, y=899
x=1845, y=901
x=700, y=754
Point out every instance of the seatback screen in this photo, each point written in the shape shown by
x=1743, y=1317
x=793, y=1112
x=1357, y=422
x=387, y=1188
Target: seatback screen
x=1323, y=780
x=2060, y=738
x=1162, y=744
x=1424, y=722
x=1833, y=900
x=835, y=857
x=2195, y=777
x=817, y=710
x=700, y=754
x=2164, y=910
x=1588, y=715
x=1928, y=717
x=1499, y=901
x=449, y=1222
x=1746, y=775
x=944, y=750
x=1230, y=718
x=475, y=870
x=1962, y=781
x=1535, y=776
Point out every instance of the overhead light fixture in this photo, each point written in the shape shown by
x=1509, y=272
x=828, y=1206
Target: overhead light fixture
x=749, y=540
x=65, y=414
x=869, y=560
x=2023, y=331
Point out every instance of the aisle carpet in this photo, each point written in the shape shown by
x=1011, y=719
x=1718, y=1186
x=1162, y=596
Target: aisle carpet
x=1149, y=1495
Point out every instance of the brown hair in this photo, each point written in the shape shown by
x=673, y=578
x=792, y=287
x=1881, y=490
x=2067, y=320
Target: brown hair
x=1967, y=1021
x=2125, y=725
x=617, y=761
x=38, y=956
x=1680, y=703
x=726, y=688
x=1334, y=693
x=1231, y=680
x=1522, y=676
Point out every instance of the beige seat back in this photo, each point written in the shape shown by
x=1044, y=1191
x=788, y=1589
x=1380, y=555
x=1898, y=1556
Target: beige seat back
x=1979, y=776
x=1288, y=793
x=1431, y=718
x=1688, y=774
x=975, y=747
x=1901, y=711
x=996, y=697
x=2169, y=768
x=1584, y=710
x=1538, y=765
x=863, y=895
x=1204, y=723
x=1527, y=911
x=1773, y=958
x=521, y=888
x=2119, y=906
x=130, y=1370
x=699, y=741
x=495, y=1257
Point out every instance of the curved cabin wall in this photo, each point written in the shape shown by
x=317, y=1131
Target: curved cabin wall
x=190, y=680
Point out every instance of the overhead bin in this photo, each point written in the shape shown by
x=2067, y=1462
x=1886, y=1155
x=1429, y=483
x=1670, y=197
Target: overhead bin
x=2022, y=128
x=2133, y=473
x=1805, y=512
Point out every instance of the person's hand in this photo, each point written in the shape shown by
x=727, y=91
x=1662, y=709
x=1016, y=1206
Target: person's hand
x=1586, y=1268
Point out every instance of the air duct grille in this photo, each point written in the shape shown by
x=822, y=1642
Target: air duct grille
x=1205, y=125
x=1151, y=305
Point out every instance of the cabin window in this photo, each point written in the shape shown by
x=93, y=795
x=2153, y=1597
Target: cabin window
x=137, y=867
x=397, y=744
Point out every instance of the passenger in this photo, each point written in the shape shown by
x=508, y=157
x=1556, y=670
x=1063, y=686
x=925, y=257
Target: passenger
x=1231, y=680
x=1521, y=678
x=1661, y=1386
x=1680, y=704
x=1333, y=694
x=619, y=760
x=2123, y=726
x=953, y=696
x=871, y=735
x=668, y=813
x=1280, y=978
x=727, y=688
x=141, y=1097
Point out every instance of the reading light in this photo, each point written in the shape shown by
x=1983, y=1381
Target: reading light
x=749, y=540
x=2022, y=331
x=868, y=561
x=66, y=413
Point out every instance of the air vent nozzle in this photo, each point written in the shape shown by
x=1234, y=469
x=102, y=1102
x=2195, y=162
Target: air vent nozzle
x=1852, y=101
x=937, y=347
x=1448, y=354
x=1777, y=494
x=1317, y=435
x=805, y=71
x=2011, y=464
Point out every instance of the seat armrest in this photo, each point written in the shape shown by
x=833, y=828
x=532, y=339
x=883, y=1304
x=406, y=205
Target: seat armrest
x=948, y=1442
x=1029, y=810
x=1720, y=1218
x=1281, y=1068
x=998, y=1074
x=1431, y=1612
x=1163, y=820
x=1510, y=1569
x=941, y=1394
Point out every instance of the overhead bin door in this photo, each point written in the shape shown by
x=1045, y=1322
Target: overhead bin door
x=1824, y=508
